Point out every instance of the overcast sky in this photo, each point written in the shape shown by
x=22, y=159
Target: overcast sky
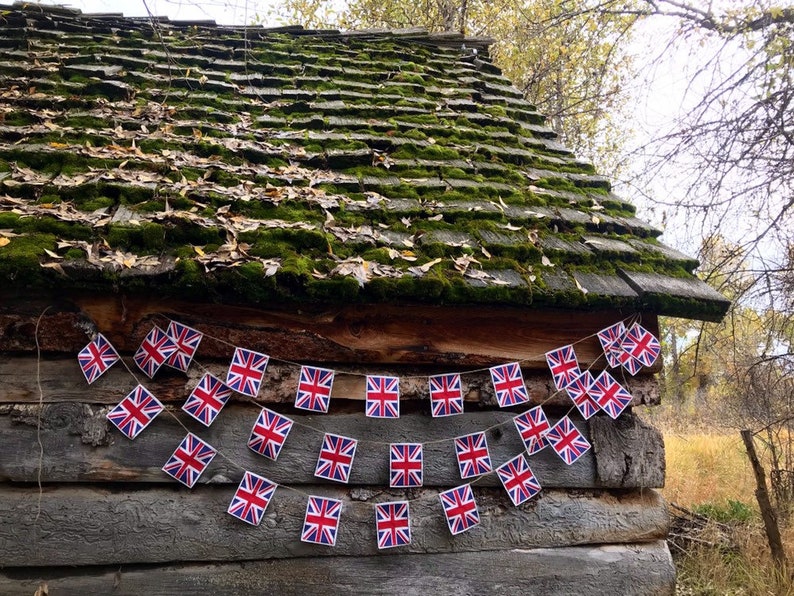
x=225, y=12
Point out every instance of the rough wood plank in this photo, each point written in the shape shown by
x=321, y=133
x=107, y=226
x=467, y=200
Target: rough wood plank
x=634, y=569
x=628, y=452
x=91, y=526
x=459, y=336
x=80, y=446
x=61, y=380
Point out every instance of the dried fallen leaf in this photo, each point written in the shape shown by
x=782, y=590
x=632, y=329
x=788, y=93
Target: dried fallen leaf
x=544, y=260
x=4, y=241
x=581, y=288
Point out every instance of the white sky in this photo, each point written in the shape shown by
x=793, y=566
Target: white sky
x=223, y=12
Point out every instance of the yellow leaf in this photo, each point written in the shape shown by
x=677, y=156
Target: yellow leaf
x=4, y=241
x=199, y=251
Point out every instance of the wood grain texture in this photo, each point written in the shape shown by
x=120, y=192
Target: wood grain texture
x=81, y=446
x=629, y=570
x=61, y=381
x=93, y=526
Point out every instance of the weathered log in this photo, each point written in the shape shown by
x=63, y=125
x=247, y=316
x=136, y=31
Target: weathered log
x=61, y=380
x=634, y=569
x=457, y=336
x=80, y=445
x=90, y=526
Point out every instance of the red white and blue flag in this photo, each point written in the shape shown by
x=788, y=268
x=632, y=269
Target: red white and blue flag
x=246, y=371
x=460, y=508
x=207, y=399
x=189, y=460
x=383, y=397
x=641, y=344
x=314, y=389
x=321, y=521
x=187, y=341
x=508, y=384
x=97, y=357
x=563, y=365
x=610, y=340
x=628, y=362
x=446, y=396
x=336, y=458
x=252, y=498
x=579, y=392
x=405, y=465
x=135, y=412
x=269, y=433
x=533, y=425
x=154, y=351
x=567, y=441
x=472, y=453
x=518, y=480
x=610, y=394
x=392, y=524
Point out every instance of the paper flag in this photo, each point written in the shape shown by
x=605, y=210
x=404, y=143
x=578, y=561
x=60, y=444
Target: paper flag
x=392, y=524
x=321, y=521
x=532, y=426
x=269, y=433
x=563, y=365
x=579, y=392
x=314, y=389
x=446, y=396
x=642, y=345
x=383, y=397
x=97, y=357
x=472, y=453
x=518, y=480
x=135, y=412
x=246, y=371
x=610, y=394
x=336, y=458
x=508, y=384
x=460, y=508
x=567, y=441
x=154, y=351
x=405, y=465
x=252, y=498
x=189, y=460
x=187, y=341
x=610, y=340
x=207, y=399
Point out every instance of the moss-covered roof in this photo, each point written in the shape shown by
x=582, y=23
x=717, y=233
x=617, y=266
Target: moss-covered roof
x=253, y=165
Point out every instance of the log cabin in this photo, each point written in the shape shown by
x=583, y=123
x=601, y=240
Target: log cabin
x=380, y=204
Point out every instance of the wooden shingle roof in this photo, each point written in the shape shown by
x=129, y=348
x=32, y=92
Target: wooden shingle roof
x=256, y=165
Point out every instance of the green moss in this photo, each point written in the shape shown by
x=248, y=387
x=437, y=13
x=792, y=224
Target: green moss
x=93, y=204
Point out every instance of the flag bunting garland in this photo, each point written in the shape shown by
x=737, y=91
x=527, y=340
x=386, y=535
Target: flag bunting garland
x=630, y=348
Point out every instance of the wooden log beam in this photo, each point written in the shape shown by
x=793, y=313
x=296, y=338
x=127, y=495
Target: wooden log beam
x=80, y=446
x=627, y=569
x=69, y=525
x=61, y=380
x=458, y=336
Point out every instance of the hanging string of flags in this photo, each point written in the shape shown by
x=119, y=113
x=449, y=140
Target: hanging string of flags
x=629, y=348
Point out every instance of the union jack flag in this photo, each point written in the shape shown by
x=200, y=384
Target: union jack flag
x=579, y=392
x=135, y=412
x=269, y=433
x=383, y=397
x=563, y=365
x=154, y=351
x=610, y=339
x=641, y=344
x=533, y=425
x=473, y=457
x=207, y=398
x=336, y=458
x=252, y=498
x=321, y=521
x=610, y=395
x=446, y=397
x=189, y=460
x=629, y=362
x=246, y=371
x=405, y=465
x=508, y=384
x=567, y=441
x=392, y=523
x=314, y=389
x=518, y=480
x=460, y=508
x=97, y=357
x=187, y=341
